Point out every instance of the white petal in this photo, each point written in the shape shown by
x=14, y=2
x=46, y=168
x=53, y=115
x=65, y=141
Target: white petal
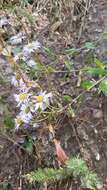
x=14, y=81
x=31, y=63
x=17, y=39
x=26, y=117
x=37, y=106
x=3, y=21
x=36, y=45
x=30, y=48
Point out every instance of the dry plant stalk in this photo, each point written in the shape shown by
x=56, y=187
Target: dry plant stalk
x=64, y=12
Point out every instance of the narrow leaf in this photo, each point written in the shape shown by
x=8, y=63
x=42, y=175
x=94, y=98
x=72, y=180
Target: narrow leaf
x=96, y=71
x=99, y=63
x=70, y=51
x=89, y=45
x=68, y=65
x=103, y=87
x=67, y=98
x=87, y=84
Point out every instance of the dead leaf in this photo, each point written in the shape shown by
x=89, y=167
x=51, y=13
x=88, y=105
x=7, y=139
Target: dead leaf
x=55, y=26
x=61, y=155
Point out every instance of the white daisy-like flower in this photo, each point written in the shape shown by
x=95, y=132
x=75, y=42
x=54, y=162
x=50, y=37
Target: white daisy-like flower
x=25, y=108
x=17, y=39
x=32, y=107
x=42, y=101
x=22, y=98
x=26, y=117
x=22, y=118
x=30, y=48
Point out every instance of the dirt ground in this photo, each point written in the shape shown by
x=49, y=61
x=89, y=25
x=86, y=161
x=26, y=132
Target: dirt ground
x=84, y=135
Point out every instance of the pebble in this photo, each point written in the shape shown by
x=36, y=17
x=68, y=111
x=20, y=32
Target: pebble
x=97, y=156
x=97, y=113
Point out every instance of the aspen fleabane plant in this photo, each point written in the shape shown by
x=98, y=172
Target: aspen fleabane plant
x=29, y=102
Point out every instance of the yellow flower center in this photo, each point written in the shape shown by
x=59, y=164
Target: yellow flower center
x=23, y=97
x=18, y=77
x=19, y=121
x=30, y=83
x=39, y=98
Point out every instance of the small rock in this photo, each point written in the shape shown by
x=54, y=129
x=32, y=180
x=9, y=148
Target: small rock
x=97, y=113
x=97, y=156
x=82, y=134
x=95, y=131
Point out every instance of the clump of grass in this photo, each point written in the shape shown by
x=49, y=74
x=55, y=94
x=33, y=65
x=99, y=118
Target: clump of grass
x=57, y=11
x=74, y=166
x=64, y=11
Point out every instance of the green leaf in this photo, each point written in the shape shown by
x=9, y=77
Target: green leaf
x=70, y=112
x=105, y=33
x=50, y=52
x=69, y=64
x=17, y=50
x=89, y=45
x=29, y=146
x=91, y=181
x=30, y=1
x=5, y=185
x=26, y=14
x=50, y=70
x=96, y=71
x=70, y=51
x=99, y=63
x=87, y=84
x=67, y=98
x=103, y=86
x=89, y=57
x=8, y=121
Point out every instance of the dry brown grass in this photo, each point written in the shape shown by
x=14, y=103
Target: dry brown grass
x=60, y=12
x=64, y=11
x=59, y=9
